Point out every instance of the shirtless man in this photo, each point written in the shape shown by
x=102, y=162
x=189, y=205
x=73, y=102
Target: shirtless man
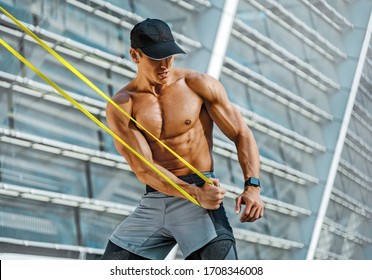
x=179, y=107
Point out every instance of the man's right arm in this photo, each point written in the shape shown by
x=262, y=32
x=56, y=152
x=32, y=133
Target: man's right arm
x=209, y=196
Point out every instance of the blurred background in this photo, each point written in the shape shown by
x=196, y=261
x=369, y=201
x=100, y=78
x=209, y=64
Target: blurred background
x=299, y=71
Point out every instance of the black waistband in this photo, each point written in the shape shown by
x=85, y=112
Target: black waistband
x=190, y=178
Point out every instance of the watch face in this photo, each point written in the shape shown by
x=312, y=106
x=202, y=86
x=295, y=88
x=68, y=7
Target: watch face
x=254, y=181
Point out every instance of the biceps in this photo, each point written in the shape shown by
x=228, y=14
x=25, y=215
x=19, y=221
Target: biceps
x=135, y=143
x=130, y=139
x=128, y=133
x=228, y=119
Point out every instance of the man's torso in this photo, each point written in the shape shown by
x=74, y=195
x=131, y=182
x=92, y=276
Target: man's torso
x=178, y=117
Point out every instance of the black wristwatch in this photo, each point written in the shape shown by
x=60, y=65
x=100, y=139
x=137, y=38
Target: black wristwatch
x=252, y=181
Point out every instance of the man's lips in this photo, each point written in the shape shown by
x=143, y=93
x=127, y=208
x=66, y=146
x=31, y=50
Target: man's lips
x=163, y=74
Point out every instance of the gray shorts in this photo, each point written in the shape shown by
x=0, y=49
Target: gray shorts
x=160, y=221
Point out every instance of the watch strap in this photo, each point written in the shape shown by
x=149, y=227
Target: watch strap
x=252, y=181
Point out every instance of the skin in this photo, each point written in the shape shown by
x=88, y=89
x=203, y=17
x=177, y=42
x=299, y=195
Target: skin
x=179, y=107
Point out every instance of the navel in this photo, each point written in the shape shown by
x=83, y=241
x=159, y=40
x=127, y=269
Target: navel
x=187, y=122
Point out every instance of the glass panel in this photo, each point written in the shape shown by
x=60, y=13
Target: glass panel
x=252, y=17
x=221, y=164
x=65, y=79
x=253, y=251
x=37, y=221
x=96, y=227
x=4, y=119
x=36, y=169
x=54, y=121
x=339, y=213
x=236, y=91
x=8, y=62
x=116, y=185
x=264, y=107
x=118, y=81
x=286, y=40
x=98, y=32
x=307, y=128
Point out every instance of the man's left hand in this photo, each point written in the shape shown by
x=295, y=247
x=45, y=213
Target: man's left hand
x=254, y=206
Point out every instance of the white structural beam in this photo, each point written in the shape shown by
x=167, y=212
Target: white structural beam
x=222, y=38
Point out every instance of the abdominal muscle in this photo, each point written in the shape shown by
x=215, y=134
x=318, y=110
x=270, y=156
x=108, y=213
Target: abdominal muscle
x=194, y=146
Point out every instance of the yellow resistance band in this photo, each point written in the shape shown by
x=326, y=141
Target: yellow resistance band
x=94, y=119
x=96, y=89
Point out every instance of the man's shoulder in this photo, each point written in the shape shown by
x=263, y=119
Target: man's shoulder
x=190, y=74
x=204, y=85
x=123, y=95
x=121, y=98
x=193, y=78
x=198, y=81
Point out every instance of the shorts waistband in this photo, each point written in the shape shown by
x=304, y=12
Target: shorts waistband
x=190, y=178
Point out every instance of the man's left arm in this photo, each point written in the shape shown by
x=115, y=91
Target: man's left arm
x=230, y=121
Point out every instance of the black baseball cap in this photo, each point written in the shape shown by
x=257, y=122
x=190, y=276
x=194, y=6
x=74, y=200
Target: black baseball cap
x=154, y=38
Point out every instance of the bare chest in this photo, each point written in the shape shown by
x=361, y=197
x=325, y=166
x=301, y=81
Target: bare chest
x=169, y=114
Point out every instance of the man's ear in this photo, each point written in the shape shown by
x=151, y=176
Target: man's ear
x=134, y=55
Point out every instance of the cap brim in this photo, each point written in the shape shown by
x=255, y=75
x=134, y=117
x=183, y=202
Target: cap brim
x=162, y=50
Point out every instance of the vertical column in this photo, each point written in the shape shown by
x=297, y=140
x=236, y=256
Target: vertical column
x=222, y=38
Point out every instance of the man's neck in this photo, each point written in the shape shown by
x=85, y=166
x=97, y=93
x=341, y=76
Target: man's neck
x=144, y=85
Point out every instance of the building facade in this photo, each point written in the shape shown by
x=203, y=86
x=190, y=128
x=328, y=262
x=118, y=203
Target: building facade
x=300, y=73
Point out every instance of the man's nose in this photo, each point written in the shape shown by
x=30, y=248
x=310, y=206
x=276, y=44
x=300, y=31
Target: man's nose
x=165, y=62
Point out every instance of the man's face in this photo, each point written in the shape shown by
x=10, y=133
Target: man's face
x=155, y=70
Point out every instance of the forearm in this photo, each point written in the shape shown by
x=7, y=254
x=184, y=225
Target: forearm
x=147, y=175
x=209, y=196
x=249, y=160
x=248, y=155
x=150, y=177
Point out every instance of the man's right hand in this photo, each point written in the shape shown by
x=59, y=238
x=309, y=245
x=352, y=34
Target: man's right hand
x=210, y=196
